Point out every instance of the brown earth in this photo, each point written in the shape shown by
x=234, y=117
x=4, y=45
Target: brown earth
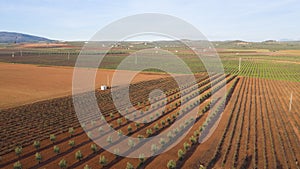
x=21, y=83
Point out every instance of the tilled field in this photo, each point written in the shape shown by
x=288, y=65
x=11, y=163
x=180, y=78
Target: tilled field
x=256, y=130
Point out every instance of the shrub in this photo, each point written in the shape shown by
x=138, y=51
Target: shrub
x=202, y=167
x=141, y=158
x=120, y=133
x=18, y=151
x=163, y=123
x=78, y=155
x=119, y=121
x=56, y=149
x=17, y=165
x=170, y=135
x=134, y=115
x=94, y=148
x=151, y=117
x=83, y=125
x=171, y=164
x=36, y=144
x=52, y=138
x=62, y=163
x=71, y=131
x=145, y=121
x=186, y=146
x=93, y=122
x=129, y=166
x=109, y=139
x=181, y=126
x=87, y=167
x=154, y=148
x=116, y=152
x=196, y=133
x=174, y=116
x=162, y=141
x=72, y=143
x=156, y=127
x=176, y=131
x=100, y=129
x=102, y=160
x=180, y=154
x=193, y=139
x=140, y=137
x=131, y=143
x=89, y=134
x=111, y=115
x=129, y=128
x=169, y=120
x=38, y=157
x=149, y=132
x=137, y=125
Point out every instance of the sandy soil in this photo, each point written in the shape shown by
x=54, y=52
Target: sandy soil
x=21, y=84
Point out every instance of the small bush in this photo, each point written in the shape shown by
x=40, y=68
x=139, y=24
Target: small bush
x=90, y=134
x=169, y=120
x=17, y=165
x=193, y=139
x=18, y=151
x=141, y=158
x=72, y=143
x=56, y=149
x=156, y=127
x=171, y=164
x=94, y=148
x=162, y=141
x=71, y=131
x=129, y=166
x=180, y=154
x=52, y=138
x=78, y=155
x=186, y=146
x=154, y=148
x=170, y=135
x=38, y=157
x=140, y=137
x=120, y=133
x=109, y=139
x=36, y=144
x=137, y=125
x=149, y=132
x=62, y=163
x=87, y=167
x=163, y=123
x=119, y=121
x=131, y=143
x=129, y=128
x=116, y=152
x=102, y=160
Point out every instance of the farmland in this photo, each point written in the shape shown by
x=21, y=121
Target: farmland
x=259, y=127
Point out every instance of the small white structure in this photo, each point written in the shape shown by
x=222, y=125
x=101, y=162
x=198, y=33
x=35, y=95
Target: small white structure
x=103, y=87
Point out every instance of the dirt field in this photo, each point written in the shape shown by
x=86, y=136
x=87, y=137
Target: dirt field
x=21, y=83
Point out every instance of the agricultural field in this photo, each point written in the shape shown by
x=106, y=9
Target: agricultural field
x=259, y=127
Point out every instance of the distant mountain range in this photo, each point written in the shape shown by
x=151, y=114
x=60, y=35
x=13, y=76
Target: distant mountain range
x=13, y=37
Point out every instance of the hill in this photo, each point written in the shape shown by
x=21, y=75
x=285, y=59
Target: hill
x=13, y=37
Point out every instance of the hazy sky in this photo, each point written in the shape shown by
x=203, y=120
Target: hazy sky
x=252, y=20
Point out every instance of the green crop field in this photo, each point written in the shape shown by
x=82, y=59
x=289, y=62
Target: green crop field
x=270, y=60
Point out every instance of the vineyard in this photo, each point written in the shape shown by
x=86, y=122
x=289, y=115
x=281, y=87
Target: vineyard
x=259, y=126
